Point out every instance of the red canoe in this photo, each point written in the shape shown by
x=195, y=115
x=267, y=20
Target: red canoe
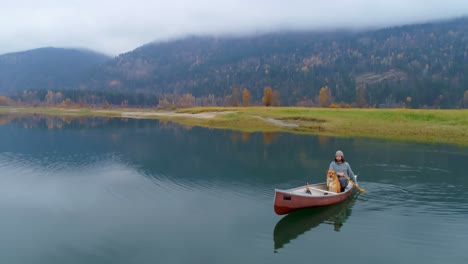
x=293, y=199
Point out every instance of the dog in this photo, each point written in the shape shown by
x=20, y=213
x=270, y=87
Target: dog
x=333, y=184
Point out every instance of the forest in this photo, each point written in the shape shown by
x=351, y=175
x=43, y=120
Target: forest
x=413, y=66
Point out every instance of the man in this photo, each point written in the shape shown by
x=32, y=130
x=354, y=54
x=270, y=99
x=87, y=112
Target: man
x=342, y=168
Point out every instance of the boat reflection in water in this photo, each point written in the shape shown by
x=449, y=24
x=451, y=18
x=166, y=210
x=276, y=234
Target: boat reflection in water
x=299, y=222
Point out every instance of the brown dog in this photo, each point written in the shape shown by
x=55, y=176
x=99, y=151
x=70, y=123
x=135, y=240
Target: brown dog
x=333, y=184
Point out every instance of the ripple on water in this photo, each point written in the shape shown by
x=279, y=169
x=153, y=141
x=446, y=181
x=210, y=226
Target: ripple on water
x=216, y=187
x=432, y=199
x=407, y=168
x=71, y=181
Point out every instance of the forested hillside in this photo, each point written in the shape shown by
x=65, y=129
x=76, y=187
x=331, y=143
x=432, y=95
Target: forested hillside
x=416, y=66
x=46, y=68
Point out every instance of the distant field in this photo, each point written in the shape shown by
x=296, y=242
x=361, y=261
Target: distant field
x=430, y=126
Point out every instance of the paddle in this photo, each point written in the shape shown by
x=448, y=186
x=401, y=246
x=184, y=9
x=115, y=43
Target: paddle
x=307, y=188
x=361, y=190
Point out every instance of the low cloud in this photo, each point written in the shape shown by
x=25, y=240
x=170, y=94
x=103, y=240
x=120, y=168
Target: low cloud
x=115, y=27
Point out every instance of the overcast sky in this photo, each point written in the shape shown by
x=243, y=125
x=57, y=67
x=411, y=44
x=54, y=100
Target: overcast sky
x=117, y=26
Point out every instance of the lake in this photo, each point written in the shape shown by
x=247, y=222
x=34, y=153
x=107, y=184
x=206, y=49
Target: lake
x=96, y=190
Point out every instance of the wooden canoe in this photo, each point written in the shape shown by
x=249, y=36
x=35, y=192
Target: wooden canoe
x=290, y=200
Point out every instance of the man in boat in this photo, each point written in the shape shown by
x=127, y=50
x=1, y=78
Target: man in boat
x=342, y=169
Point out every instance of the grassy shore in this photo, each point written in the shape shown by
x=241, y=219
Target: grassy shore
x=430, y=126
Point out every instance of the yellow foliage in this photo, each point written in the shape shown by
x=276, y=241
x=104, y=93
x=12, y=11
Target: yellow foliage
x=267, y=96
x=187, y=100
x=324, y=96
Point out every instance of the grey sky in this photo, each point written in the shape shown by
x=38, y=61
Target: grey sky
x=114, y=27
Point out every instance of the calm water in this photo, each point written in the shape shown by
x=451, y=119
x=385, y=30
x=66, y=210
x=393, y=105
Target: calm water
x=139, y=191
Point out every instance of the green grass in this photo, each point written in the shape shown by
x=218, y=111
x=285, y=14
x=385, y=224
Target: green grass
x=429, y=126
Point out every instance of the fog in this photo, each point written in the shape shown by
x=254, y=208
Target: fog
x=114, y=27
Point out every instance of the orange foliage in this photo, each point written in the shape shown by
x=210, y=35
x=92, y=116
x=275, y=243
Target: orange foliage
x=324, y=96
x=246, y=97
x=267, y=96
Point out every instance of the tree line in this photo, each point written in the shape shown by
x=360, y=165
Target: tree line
x=236, y=97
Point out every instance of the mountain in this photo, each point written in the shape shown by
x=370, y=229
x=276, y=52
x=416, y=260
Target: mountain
x=46, y=68
x=423, y=65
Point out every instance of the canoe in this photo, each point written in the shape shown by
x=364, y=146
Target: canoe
x=290, y=200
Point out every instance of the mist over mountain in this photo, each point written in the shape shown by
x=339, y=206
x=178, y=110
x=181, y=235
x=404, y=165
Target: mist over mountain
x=427, y=62
x=424, y=65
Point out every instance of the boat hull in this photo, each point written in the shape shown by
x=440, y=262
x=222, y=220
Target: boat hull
x=287, y=201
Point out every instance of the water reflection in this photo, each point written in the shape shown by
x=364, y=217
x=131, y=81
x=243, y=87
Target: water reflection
x=112, y=190
x=300, y=222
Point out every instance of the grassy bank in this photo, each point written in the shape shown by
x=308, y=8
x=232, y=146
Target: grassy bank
x=431, y=126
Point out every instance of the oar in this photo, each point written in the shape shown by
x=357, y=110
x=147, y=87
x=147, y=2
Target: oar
x=307, y=188
x=360, y=189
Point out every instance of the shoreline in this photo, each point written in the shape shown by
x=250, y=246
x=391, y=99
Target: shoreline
x=413, y=125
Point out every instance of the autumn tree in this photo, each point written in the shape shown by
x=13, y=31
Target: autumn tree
x=52, y=98
x=246, y=97
x=165, y=104
x=66, y=103
x=58, y=97
x=49, y=98
x=187, y=100
x=267, y=96
x=361, y=96
x=324, y=96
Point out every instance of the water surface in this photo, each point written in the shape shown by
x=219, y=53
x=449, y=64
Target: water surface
x=95, y=190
